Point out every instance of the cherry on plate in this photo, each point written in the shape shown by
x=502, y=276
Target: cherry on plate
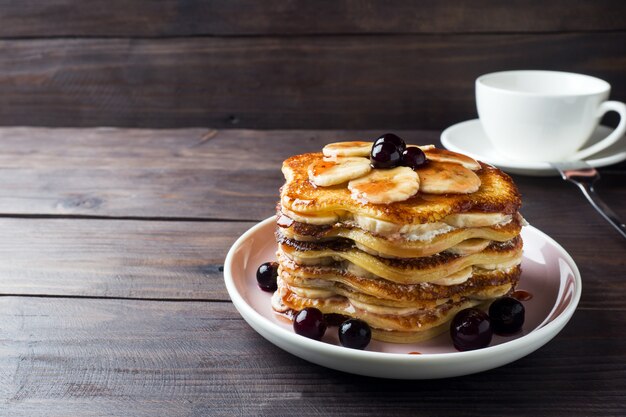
x=355, y=334
x=310, y=323
x=333, y=319
x=471, y=329
x=266, y=276
x=507, y=316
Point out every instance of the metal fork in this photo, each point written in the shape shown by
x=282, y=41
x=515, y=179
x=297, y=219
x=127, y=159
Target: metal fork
x=584, y=176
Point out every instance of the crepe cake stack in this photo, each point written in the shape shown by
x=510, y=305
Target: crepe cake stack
x=403, y=249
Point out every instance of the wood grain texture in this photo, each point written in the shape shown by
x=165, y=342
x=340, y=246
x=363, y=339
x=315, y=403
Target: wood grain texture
x=111, y=357
x=559, y=209
x=129, y=259
x=199, y=173
x=413, y=81
x=34, y=18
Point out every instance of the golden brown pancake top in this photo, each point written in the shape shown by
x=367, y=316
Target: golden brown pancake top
x=497, y=194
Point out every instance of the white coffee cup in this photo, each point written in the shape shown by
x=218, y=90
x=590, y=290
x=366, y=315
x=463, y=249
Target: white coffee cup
x=545, y=115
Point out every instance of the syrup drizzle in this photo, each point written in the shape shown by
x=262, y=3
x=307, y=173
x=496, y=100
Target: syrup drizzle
x=522, y=295
x=286, y=315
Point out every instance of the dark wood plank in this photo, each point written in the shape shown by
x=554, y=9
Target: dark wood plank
x=99, y=258
x=33, y=18
x=560, y=210
x=418, y=81
x=228, y=174
x=108, y=357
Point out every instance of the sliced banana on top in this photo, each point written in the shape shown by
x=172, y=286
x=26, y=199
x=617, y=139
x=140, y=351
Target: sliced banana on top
x=326, y=172
x=385, y=186
x=442, y=155
x=347, y=149
x=358, y=148
x=447, y=177
x=424, y=148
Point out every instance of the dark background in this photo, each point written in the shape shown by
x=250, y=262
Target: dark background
x=287, y=64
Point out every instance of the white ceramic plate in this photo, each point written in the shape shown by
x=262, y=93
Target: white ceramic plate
x=469, y=138
x=549, y=273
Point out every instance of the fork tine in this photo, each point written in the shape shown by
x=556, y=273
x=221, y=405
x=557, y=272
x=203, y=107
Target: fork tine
x=584, y=175
x=572, y=170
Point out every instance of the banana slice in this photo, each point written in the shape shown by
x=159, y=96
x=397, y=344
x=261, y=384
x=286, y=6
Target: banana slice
x=447, y=177
x=422, y=147
x=469, y=246
x=442, y=155
x=347, y=149
x=358, y=148
x=384, y=186
x=455, y=279
x=326, y=172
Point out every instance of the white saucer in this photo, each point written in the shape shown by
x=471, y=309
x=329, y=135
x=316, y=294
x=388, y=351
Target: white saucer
x=469, y=138
x=548, y=273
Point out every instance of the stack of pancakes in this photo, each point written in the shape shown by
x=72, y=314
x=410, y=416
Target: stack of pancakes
x=407, y=267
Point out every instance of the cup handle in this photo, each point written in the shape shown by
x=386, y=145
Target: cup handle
x=616, y=135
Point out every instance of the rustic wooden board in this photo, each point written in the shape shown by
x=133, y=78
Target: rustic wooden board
x=34, y=18
x=112, y=357
x=413, y=81
x=560, y=210
x=100, y=258
x=200, y=173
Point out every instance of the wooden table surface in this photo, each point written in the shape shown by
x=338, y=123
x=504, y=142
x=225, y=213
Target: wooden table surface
x=113, y=300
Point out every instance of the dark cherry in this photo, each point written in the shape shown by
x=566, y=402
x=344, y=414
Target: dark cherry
x=470, y=329
x=413, y=158
x=393, y=139
x=333, y=319
x=387, y=151
x=310, y=323
x=355, y=334
x=507, y=315
x=266, y=276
